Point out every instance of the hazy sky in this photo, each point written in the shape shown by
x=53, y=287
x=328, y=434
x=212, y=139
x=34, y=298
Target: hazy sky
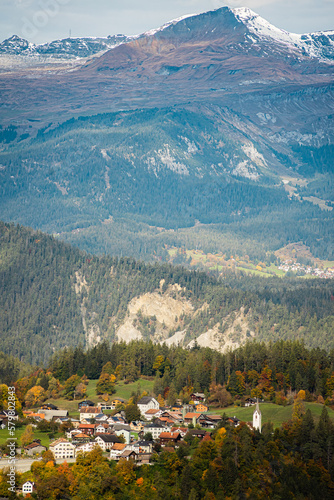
x=45, y=20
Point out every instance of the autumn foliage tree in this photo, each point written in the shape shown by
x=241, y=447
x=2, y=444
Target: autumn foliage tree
x=35, y=396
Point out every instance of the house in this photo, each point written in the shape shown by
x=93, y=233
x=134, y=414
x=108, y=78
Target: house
x=197, y=397
x=143, y=446
x=36, y=416
x=182, y=430
x=101, y=428
x=116, y=451
x=144, y=458
x=88, y=412
x=72, y=433
x=101, y=417
x=118, y=401
x=152, y=413
x=28, y=487
x=106, y=441
x=250, y=401
x=50, y=414
x=34, y=448
x=209, y=421
x=81, y=438
x=85, y=447
x=233, y=421
x=167, y=437
x=61, y=448
x=88, y=429
x=106, y=406
x=129, y=455
x=200, y=408
x=171, y=416
x=123, y=430
x=198, y=433
x=136, y=426
x=49, y=406
x=147, y=403
x=192, y=418
x=85, y=403
x=155, y=429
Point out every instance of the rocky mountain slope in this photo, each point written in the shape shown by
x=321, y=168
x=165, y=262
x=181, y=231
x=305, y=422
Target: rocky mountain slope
x=218, y=118
x=66, y=48
x=55, y=296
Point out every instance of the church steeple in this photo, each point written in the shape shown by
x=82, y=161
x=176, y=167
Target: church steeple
x=257, y=417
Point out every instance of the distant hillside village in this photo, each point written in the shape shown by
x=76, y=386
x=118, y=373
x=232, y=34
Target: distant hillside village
x=156, y=428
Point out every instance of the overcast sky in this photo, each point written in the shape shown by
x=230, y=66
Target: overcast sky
x=45, y=20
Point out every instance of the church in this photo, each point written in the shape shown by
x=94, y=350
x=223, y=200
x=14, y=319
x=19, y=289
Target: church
x=257, y=417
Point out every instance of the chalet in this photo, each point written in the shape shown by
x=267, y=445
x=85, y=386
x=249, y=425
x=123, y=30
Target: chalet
x=182, y=430
x=101, y=428
x=88, y=429
x=72, y=433
x=233, y=421
x=147, y=403
x=209, y=421
x=80, y=438
x=197, y=397
x=61, y=448
x=136, y=426
x=250, y=401
x=172, y=416
x=198, y=433
x=34, y=448
x=201, y=408
x=49, y=406
x=129, y=455
x=106, y=441
x=144, y=458
x=88, y=412
x=116, y=451
x=85, y=403
x=192, y=418
x=118, y=401
x=168, y=437
x=152, y=413
x=28, y=487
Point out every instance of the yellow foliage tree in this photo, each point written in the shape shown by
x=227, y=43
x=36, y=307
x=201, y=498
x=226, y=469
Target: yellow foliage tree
x=161, y=400
x=27, y=436
x=220, y=436
x=301, y=395
x=125, y=471
x=35, y=396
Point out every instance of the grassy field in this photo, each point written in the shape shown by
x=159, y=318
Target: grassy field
x=43, y=436
x=275, y=414
x=123, y=391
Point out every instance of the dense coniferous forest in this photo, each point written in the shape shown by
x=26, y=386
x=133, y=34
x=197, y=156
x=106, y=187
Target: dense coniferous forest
x=52, y=293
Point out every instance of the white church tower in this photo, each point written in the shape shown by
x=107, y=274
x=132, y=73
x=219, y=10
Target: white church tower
x=257, y=417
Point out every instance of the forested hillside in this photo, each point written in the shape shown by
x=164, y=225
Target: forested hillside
x=53, y=295
x=125, y=183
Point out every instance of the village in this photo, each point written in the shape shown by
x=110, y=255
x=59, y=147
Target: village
x=301, y=270
x=158, y=429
